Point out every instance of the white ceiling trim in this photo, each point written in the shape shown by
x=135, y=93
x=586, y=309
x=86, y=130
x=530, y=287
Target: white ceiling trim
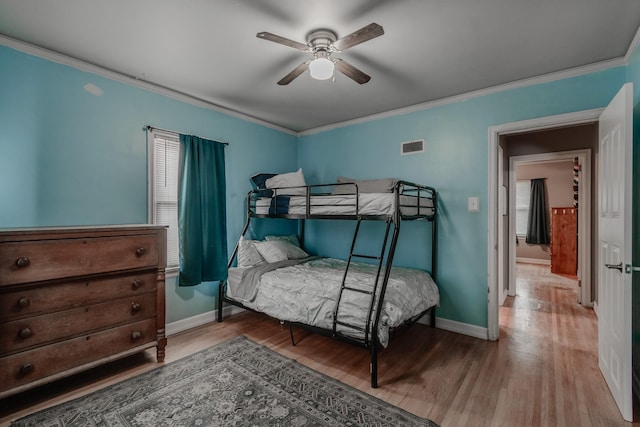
x=190, y=99
x=632, y=46
x=132, y=80
x=545, y=78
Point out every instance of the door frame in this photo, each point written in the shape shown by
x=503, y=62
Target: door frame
x=494, y=133
x=584, y=216
x=503, y=212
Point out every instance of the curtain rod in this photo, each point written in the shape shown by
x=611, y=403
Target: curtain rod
x=150, y=128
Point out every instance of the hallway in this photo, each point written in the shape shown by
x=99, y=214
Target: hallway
x=554, y=343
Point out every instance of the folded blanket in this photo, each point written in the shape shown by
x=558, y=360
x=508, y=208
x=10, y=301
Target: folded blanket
x=248, y=286
x=279, y=205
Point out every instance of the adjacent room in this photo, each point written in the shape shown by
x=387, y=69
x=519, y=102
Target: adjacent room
x=245, y=212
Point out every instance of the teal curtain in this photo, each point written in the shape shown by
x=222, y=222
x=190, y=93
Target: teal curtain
x=538, y=221
x=202, y=218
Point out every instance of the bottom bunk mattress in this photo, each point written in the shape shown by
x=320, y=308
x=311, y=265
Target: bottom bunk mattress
x=306, y=291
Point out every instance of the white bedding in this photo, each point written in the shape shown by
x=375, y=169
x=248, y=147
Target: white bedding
x=307, y=293
x=368, y=204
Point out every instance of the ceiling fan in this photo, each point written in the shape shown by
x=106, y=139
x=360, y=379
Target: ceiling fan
x=321, y=44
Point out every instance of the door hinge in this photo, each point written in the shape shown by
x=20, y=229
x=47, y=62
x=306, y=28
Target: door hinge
x=628, y=268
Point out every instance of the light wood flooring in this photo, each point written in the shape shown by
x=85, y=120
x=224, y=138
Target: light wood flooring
x=542, y=372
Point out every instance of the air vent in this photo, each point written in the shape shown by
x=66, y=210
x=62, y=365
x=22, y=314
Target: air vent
x=412, y=147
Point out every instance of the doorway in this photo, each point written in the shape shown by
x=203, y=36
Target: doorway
x=568, y=181
x=497, y=134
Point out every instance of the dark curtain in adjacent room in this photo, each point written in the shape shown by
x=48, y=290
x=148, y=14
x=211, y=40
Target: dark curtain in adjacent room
x=538, y=221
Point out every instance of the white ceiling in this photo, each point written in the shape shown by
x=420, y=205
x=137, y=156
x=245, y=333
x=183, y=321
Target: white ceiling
x=431, y=49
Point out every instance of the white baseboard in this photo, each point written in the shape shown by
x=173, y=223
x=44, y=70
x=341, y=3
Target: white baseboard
x=595, y=308
x=462, y=328
x=505, y=294
x=199, y=320
x=211, y=316
x=533, y=261
x=457, y=327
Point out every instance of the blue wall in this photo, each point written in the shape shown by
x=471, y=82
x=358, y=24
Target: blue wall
x=455, y=162
x=72, y=158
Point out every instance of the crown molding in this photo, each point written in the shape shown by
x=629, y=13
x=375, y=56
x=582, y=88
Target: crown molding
x=632, y=47
x=190, y=99
x=545, y=78
x=132, y=80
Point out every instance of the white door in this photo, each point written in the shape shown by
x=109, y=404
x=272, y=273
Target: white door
x=614, y=242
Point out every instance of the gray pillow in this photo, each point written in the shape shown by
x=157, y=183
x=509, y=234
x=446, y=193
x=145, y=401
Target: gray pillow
x=279, y=250
x=248, y=255
x=384, y=185
x=290, y=237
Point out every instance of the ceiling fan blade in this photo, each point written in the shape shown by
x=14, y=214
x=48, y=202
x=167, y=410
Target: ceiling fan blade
x=369, y=32
x=283, y=40
x=295, y=73
x=351, y=72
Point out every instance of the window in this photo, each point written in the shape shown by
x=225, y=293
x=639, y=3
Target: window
x=523, y=191
x=164, y=162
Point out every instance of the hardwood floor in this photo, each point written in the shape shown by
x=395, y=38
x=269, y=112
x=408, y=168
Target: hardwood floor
x=542, y=372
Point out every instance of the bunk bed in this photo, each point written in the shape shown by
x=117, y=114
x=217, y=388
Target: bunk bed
x=361, y=300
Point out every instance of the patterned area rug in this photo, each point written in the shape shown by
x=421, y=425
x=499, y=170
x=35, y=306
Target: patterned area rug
x=236, y=383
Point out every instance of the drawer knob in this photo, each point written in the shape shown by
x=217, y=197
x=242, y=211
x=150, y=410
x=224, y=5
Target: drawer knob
x=137, y=284
x=25, y=333
x=135, y=335
x=26, y=368
x=24, y=302
x=23, y=262
x=140, y=252
x=135, y=307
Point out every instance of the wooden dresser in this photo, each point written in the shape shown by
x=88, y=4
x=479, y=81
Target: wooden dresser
x=74, y=298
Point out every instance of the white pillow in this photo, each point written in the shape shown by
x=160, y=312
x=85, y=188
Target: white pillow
x=293, y=238
x=248, y=255
x=292, y=179
x=279, y=250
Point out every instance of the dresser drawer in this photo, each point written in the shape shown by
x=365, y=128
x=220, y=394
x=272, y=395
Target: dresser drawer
x=30, y=301
x=32, y=261
x=28, y=366
x=24, y=333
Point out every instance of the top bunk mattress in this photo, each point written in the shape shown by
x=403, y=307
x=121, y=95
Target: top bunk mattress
x=345, y=204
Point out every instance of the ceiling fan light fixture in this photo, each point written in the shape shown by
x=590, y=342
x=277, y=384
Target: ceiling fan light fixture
x=321, y=43
x=321, y=68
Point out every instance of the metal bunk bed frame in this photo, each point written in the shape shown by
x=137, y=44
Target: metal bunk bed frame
x=377, y=292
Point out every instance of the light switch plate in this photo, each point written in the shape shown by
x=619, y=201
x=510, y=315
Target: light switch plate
x=473, y=204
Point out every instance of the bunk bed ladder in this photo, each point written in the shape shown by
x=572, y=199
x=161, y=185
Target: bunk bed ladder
x=372, y=292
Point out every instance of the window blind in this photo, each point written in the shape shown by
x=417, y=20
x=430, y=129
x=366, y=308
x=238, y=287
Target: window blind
x=165, y=177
